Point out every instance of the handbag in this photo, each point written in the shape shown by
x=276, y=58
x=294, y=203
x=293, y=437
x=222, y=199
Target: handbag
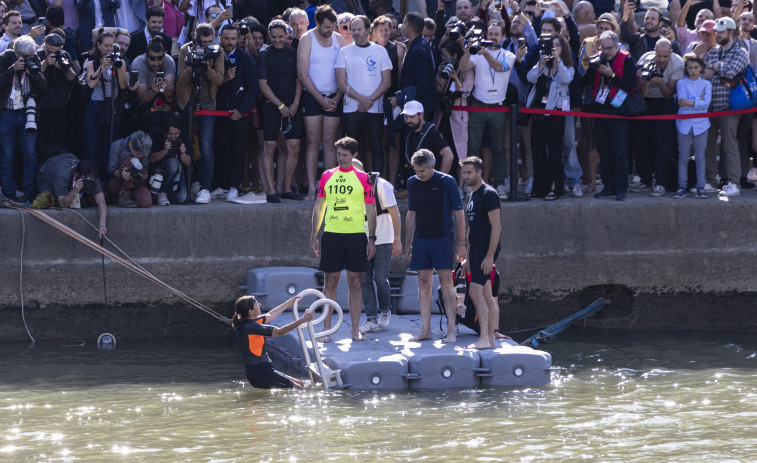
x=630, y=104
x=744, y=94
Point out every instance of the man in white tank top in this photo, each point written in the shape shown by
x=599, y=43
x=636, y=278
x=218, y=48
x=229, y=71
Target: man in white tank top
x=321, y=99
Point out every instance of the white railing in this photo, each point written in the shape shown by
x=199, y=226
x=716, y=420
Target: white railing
x=327, y=376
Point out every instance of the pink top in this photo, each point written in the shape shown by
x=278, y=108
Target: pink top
x=174, y=20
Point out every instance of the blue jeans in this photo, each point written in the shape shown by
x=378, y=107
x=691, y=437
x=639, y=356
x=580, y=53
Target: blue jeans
x=205, y=127
x=168, y=169
x=378, y=271
x=97, y=140
x=571, y=166
x=12, y=128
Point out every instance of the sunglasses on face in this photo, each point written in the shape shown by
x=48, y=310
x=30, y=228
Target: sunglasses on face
x=155, y=58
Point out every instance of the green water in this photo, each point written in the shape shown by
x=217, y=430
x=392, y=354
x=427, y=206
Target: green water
x=618, y=396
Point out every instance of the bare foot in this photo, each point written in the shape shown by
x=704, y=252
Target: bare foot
x=451, y=338
x=498, y=335
x=479, y=345
x=325, y=339
x=358, y=336
x=421, y=337
x=310, y=196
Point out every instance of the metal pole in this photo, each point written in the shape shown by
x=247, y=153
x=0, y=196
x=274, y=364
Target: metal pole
x=514, y=110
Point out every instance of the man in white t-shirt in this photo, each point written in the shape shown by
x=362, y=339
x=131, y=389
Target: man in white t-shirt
x=364, y=74
x=388, y=244
x=492, y=66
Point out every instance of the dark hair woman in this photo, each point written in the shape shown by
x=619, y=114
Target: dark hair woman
x=252, y=329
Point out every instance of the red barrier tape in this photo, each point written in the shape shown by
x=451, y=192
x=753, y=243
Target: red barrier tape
x=505, y=109
x=207, y=112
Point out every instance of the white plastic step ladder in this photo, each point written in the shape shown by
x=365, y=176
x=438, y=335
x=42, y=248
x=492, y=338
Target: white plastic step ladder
x=327, y=376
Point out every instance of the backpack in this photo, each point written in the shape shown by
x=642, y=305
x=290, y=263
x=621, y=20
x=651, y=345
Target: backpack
x=744, y=94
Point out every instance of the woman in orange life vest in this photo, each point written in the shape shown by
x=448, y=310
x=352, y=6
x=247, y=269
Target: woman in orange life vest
x=252, y=328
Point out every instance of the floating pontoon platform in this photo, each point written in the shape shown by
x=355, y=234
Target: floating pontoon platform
x=388, y=360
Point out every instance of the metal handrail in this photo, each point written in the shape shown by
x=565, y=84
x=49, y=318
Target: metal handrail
x=323, y=301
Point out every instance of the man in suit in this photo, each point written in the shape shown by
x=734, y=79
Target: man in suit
x=154, y=27
x=89, y=19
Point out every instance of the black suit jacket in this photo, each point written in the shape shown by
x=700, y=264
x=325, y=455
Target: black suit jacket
x=138, y=45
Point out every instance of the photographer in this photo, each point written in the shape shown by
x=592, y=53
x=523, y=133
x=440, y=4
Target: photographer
x=201, y=71
x=453, y=87
x=610, y=71
x=654, y=141
x=21, y=80
x=168, y=165
x=74, y=183
x=550, y=77
x=60, y=72
x=156, y=84
x=128, y=170
x=106, y=64
x=492, y=66
x=236, y=95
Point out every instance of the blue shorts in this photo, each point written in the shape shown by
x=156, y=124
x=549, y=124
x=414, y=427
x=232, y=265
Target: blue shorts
x=433, y=253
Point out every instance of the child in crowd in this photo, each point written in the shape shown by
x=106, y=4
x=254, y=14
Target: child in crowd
x=694, y=95
x=252, y=329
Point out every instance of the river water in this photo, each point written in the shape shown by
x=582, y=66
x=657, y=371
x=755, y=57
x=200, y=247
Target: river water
x=617, y=396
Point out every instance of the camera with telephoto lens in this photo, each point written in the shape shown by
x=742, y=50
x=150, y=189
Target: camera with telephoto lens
x=63, y=59
x=89, y=183
x=31, y=116
x=546, y=45
x=116, y=57
x=649, y=71
x=155, y=183
x=197, y=56
x=32, y=63
x=135, y=171
x=458, y=29
x=447, y=68
x=474, y=37
x=595, y=61
x=244, y=28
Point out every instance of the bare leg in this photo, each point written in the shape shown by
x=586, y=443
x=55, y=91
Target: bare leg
x=482, y=312
x=450, y=303
x=354, y=280
x=293, y=154
x=330, y=282
x=281, y=162
x=266, y=171
x=329, y=132
x=425, y=280
x=313, y=142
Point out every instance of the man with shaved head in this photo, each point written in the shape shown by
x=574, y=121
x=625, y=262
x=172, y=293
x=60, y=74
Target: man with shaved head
x=583, y=13
x=658, y=73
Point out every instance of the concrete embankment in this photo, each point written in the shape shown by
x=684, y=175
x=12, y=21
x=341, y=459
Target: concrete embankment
x=666, y=265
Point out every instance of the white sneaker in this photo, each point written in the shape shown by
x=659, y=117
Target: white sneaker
x=203, y=197
x=219, y=193
x=707, y=189
x=752, y=175
x=502, y=192
x=730, y=190
x=529, y=186
x=576, y=191
x=250, y=198
x=383, y=321
x=368, y=326
x=658, y=191
x=232, y=195
x=163, y=200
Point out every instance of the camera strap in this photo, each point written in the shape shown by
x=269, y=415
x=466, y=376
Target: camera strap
x=17, y=93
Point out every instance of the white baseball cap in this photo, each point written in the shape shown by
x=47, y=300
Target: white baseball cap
x=412, y=108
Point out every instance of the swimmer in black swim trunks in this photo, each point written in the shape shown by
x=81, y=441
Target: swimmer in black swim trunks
x=252, y=329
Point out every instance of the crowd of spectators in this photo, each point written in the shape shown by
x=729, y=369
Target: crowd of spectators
x=174, y=101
